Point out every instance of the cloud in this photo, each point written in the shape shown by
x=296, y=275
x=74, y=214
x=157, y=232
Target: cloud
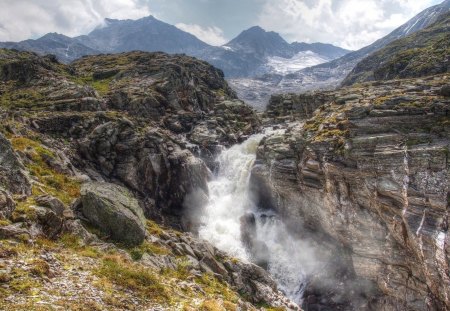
x=24, y=19
x=211, y=35
x=349, y=23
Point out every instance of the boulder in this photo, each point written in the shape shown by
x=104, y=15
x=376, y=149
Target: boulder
x=48, y=222
x=52, y=203
x=113, y=210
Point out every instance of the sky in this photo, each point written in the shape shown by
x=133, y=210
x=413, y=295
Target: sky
x=351, y=24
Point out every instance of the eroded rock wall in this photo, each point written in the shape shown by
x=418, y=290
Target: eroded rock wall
x=370, y=169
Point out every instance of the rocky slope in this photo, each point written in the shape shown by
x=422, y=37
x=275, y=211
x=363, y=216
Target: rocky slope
x=423, y=53
x=368, y=168
x=88, y=154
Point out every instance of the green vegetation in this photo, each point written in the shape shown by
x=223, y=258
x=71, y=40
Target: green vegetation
x=51, y=181
x=213, y=287
x=146, y=247
x=142, y=281
x=211, y=305
x=324, y=128
x=20, y=97
x=102, y=86
x=153, y=228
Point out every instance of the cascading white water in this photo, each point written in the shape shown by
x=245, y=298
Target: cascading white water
x=286, y=257
x=230, y=199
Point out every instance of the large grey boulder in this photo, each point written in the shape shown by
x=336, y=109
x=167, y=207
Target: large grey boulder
x=113, y=210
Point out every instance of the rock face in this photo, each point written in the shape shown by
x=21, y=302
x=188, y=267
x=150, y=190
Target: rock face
x=12, y=172
x=7, y=204
x=113, y=210
x=247, y=278
x=370, y=170
x=420, y=54
x=287, y=107
x=149, y=163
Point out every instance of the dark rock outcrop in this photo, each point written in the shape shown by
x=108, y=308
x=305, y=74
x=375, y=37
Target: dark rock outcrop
x=7, y=204
x=113, y=210
x=150, y=163
x=287, y=107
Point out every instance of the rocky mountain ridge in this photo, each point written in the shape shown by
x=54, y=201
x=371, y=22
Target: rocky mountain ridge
x=423, y=53
x=328, y=75
x=243, y=56
x=340, y=67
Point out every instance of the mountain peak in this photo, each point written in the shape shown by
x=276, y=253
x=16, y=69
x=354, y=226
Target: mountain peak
x=261, y=43
x=255, y=29
x=54, y=35
x=260, y=33
x=110, y=20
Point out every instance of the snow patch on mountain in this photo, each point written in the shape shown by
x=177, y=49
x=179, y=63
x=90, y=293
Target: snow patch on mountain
x=301, y=60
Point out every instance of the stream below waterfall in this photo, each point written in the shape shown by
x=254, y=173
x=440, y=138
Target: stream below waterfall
x=230, y=200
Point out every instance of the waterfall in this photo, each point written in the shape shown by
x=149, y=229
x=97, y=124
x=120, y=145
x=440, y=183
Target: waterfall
x=230, y=200
x=288, y=256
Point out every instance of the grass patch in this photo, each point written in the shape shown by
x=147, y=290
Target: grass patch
x=211, y=305
x=146, y=247
x=213, y=287
x=143, y=281
x=52, y=182
x=24, y=210
x=102, y=86
x=181, y=272
x=74, y=243
x=153, y=228
x=40, y=268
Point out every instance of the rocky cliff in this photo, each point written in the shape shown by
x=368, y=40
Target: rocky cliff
x=88, y=154
x=367, y=172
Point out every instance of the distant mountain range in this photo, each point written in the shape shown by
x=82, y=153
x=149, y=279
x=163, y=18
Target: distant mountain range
x=257, y=63
x=244, y=56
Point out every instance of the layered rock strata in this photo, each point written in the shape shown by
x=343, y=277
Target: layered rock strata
x=370, y=170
